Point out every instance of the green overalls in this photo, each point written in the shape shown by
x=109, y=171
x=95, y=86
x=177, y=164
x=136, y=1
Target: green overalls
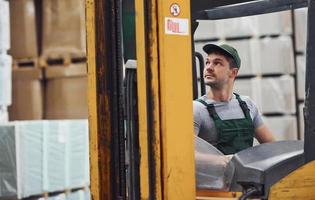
x=234, y=135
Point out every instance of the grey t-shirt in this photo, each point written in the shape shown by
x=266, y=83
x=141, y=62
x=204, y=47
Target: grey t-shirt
x=203, y=124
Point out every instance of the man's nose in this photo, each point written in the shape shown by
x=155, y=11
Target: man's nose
x=209, y=67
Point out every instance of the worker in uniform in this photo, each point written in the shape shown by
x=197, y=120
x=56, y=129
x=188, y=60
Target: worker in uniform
x=225, y=119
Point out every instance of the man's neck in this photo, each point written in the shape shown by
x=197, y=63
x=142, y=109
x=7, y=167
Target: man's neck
x=222, y=95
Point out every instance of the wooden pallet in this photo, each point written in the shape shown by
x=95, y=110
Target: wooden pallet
x=61, y=60
x=25, y=63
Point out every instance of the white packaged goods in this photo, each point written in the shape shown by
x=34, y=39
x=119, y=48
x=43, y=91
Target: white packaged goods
x=283, y=127
x=79, y=195
x=274, y=23
x=4, y=117
x=249, y=87
x=5, y=80
x=236, y=27
x=301, y=72
x=4, y=26
x=245, y=48
x=59, y=158
x=274, y=55
x=300, y=21
x=278, y=95
x=206, y=30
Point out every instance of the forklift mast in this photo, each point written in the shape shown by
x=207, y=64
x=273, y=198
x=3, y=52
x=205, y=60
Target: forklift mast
x=148, y=108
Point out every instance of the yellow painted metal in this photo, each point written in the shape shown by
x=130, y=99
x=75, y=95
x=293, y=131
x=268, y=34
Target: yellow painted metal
x=298, y=185
x=90, y=29
x=99, y=159
x=175, y=76
x=142, y=99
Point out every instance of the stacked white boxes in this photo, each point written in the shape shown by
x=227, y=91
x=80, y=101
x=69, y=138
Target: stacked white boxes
x=267, y=73
x=36, y=157
x=5, y=61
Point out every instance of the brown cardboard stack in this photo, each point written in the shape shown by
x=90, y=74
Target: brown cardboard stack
x=63, y=28
x=23, y=29
x=66, y=92
x=27, y=101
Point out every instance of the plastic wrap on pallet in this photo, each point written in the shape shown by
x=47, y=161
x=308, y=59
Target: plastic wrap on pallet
x=23, y=29
x=278, y=95
x=206, y=30
x=54, y=160
x=250, y=87
x=63, y=28
x=29, y=140
x=236, y=27
x=8, y=181
x=301, y=70
x=4, y=26
x=274, y=23
x=274, y=55
x=283, y=127
x=5, y=80
x=300, y=22
x=77, y=154
x=211, y=167
x=59, y=197
x=4, y=115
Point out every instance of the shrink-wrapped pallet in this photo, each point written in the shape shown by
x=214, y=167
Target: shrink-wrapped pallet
x=66, y=92
x=23, y=29
x=236, y=27
x=300, y=22
x=301, y=72
x=249, y=87
x=277, y=23
x=4, y=26
x=283, y=127
x=206, y=30
x=278, y=95
x=28, y=94
x=273, y=55
x=43, y=156
x=21, y=160
x=63, y=28
x=5, y=80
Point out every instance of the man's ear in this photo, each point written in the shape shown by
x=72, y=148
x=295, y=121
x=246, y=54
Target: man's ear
x=234, y=72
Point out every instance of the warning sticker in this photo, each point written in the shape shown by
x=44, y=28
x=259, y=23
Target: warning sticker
x=176, y=26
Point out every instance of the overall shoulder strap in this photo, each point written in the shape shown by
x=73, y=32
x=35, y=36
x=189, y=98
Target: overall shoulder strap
x=243, y=106
x=211, y=110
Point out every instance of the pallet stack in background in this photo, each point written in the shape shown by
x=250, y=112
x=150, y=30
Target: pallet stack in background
x=300, y=18
x=269, y=74
x=45, y=142
x=5, y=62
x=49, y=60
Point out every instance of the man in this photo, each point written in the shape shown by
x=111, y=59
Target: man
x=223, y=118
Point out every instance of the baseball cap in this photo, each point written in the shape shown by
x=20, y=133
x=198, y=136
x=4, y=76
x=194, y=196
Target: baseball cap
x=227, y=49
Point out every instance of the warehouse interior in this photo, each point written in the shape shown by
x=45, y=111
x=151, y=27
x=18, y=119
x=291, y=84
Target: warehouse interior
x=43, y=89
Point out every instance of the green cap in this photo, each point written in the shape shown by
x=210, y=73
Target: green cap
x=224, y=48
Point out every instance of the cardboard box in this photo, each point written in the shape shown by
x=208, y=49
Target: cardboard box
x=4, y=26
x=23, y=29
x=63, y=28
x=27, y=101
x=66, y=92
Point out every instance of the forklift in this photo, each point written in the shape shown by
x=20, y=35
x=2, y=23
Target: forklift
x=142, y=80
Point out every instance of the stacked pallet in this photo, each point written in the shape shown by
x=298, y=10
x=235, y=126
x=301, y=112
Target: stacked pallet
x=44, y=157
x=268, y=72
x=5, y=61
x=49, y=60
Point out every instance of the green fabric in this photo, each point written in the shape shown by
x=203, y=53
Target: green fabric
x=234, y=135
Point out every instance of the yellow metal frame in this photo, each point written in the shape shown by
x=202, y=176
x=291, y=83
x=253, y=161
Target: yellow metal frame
x=170, y=69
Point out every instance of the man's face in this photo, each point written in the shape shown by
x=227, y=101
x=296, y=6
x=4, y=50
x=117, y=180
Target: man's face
x=217, y=71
